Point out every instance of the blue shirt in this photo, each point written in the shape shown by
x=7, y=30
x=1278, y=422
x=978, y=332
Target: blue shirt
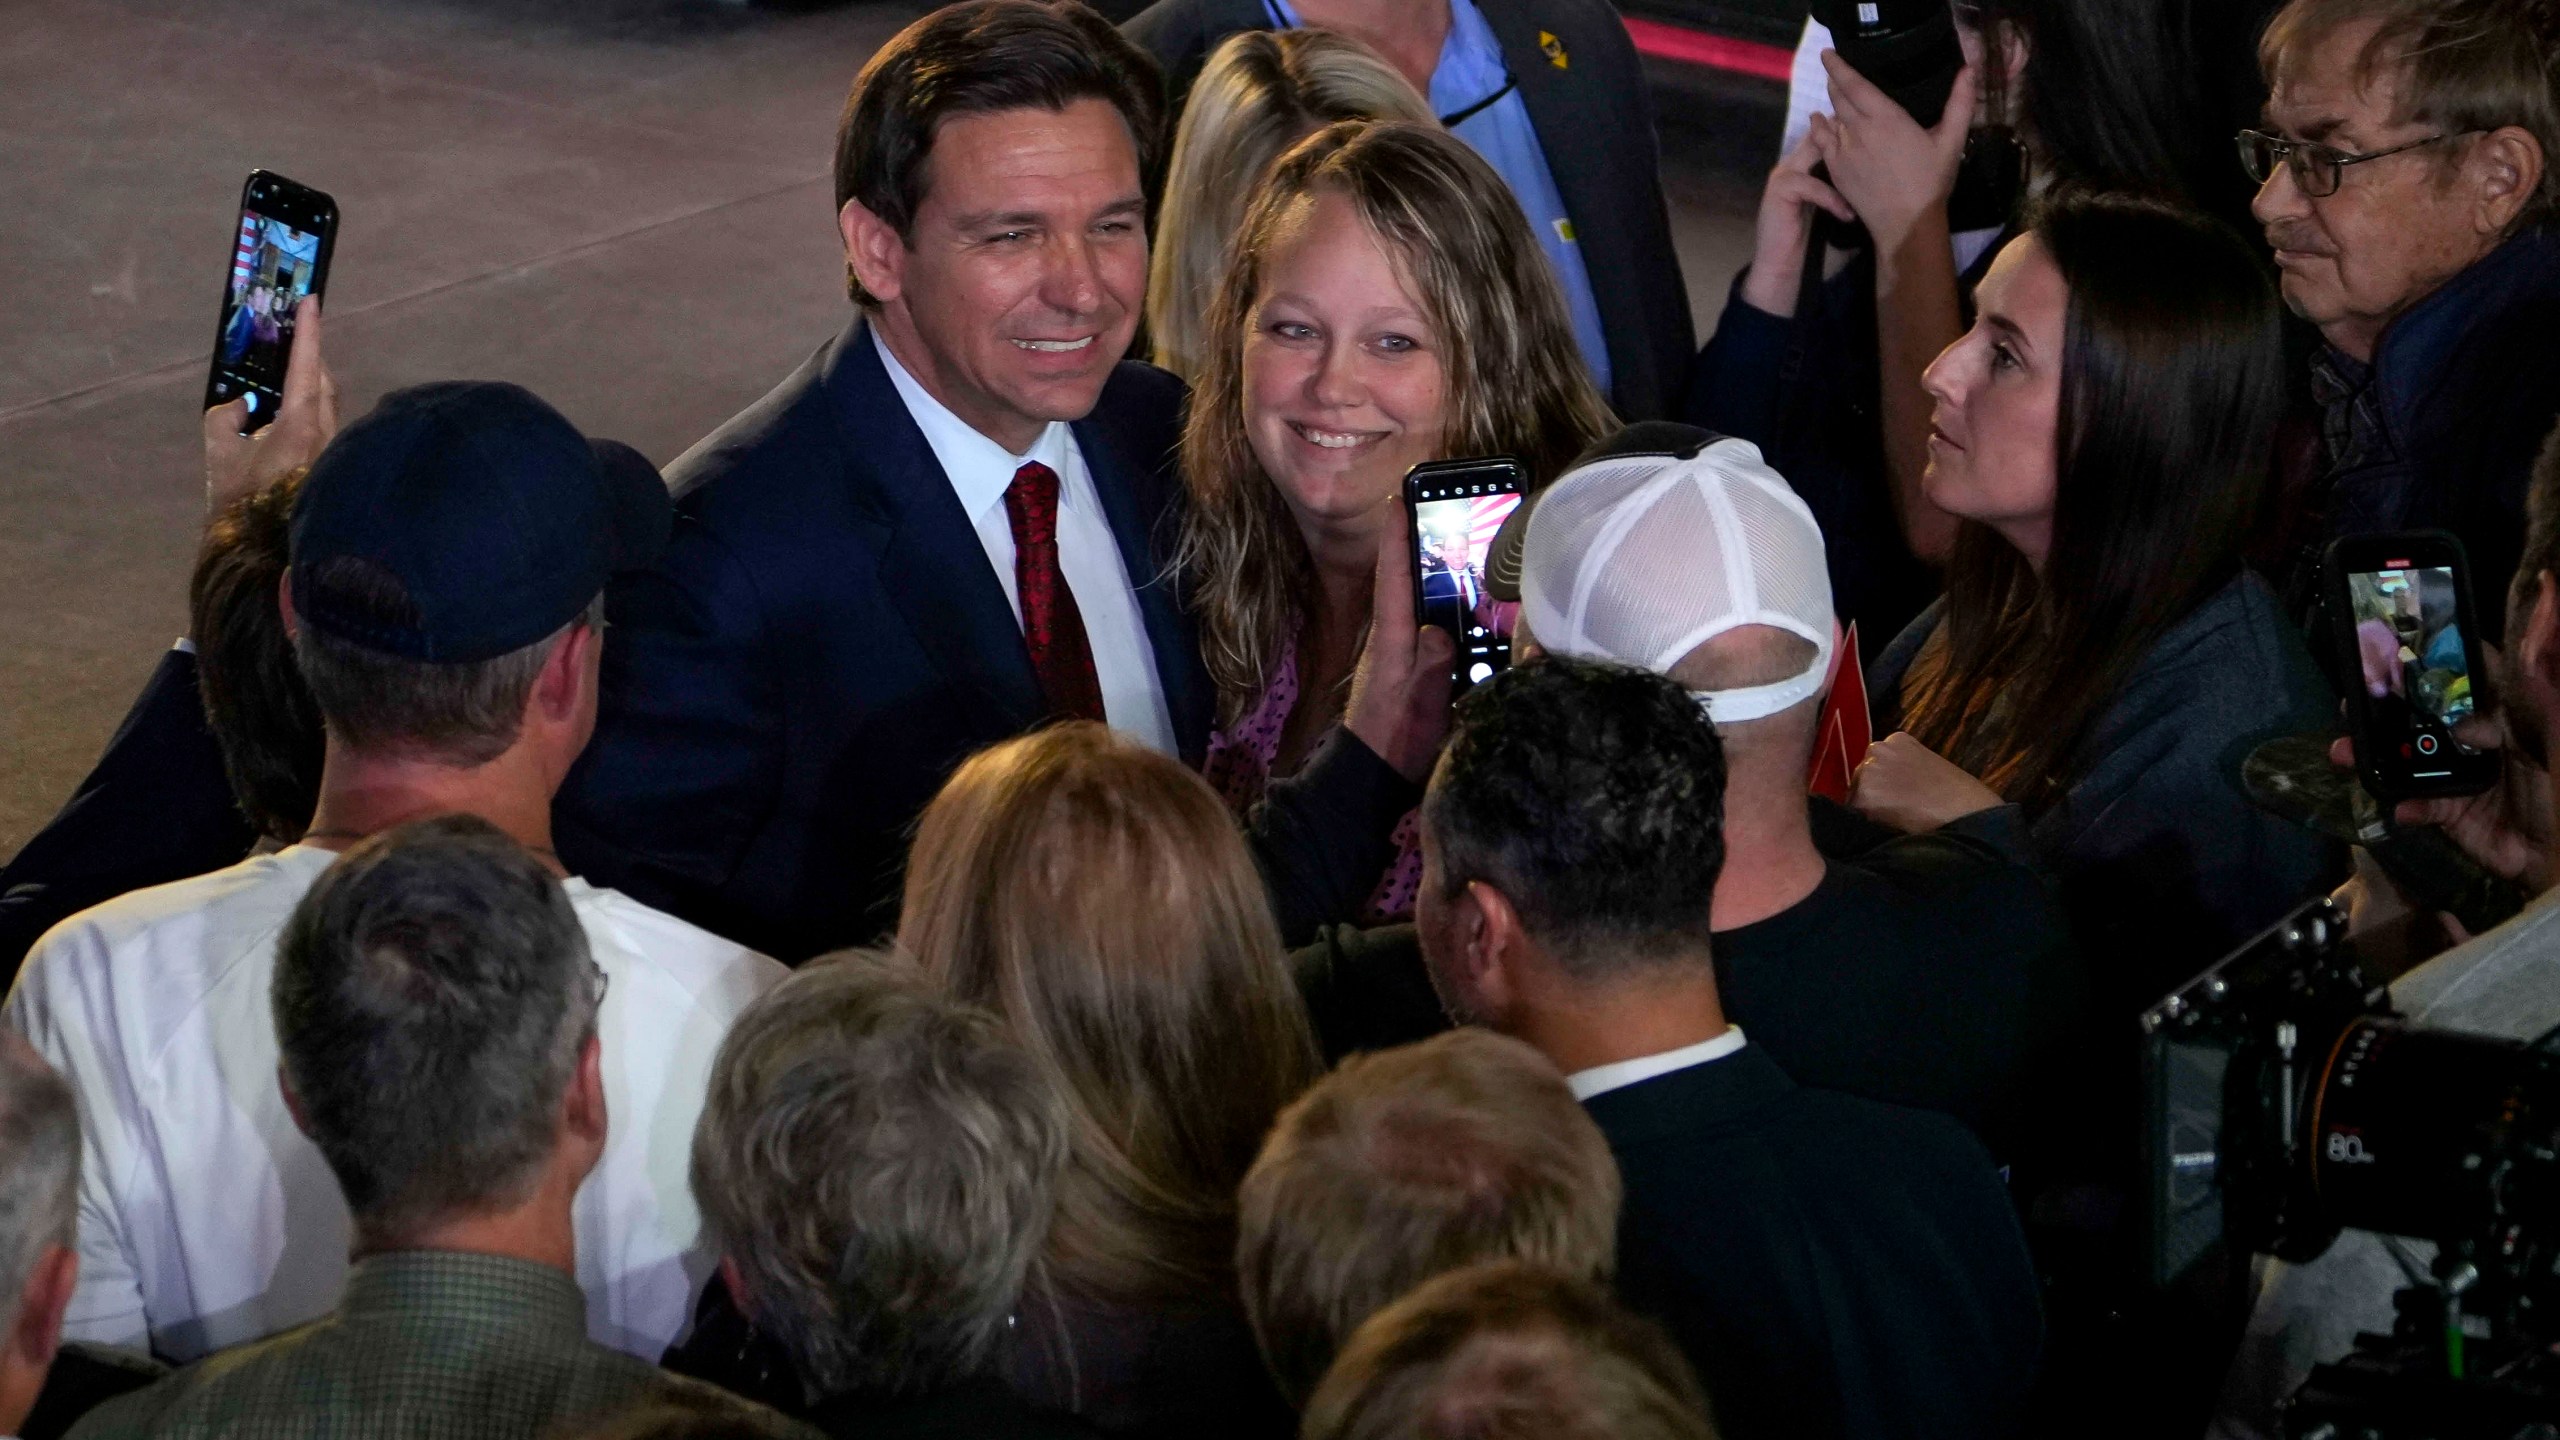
x=1471, y=68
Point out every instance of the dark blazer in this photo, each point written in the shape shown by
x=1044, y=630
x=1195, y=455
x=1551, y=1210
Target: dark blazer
x=157, y=808
x=823, y=642
x=1594, y=117
x=1833, y=1267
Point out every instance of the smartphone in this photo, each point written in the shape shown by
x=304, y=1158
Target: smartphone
x=1455, y=507
x=2401, y=610
x=279, y=258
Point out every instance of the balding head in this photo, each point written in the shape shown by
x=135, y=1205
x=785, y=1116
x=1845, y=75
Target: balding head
x=1747, y=656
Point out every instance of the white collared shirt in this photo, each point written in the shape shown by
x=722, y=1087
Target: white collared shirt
x=1618, y=1075
x=980, y=471
x=206, y=1217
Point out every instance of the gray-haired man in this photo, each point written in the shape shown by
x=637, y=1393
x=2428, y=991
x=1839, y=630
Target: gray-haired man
x=880, y=1165
x=435, y=1004
x=39, y=1199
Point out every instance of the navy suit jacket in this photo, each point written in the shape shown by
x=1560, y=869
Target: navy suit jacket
x=1833, y=1267
x=823, y=642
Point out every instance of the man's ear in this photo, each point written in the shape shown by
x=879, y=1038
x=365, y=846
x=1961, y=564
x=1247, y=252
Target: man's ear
x=583, y=1107
x=1492, y=947
x=36, y=1333
x=2538, y=648
x=874, y=251
x=2506, y=167
x=567, y=674
x=292, y=1102
x=284, y=606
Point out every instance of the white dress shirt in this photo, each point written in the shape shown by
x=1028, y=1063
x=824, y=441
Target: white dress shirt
x=980, y=470
x=207, y=1219
x=1618, y=1075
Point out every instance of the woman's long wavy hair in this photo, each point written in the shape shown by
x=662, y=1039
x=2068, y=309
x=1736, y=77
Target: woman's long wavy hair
x=1514, y=372
x=2172, y=382
x=1261, y=92
x=1096, y=896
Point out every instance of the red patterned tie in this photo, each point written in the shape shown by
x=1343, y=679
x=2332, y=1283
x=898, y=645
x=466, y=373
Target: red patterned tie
x=1051, y=625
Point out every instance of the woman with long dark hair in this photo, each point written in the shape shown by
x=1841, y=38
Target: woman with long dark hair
x=2102, y=658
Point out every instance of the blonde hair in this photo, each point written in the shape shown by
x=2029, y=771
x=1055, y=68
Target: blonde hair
x=1407, y=1163
x=1516, y=381
x=1096, y=896
x=2463, y=65
x=1261, y=92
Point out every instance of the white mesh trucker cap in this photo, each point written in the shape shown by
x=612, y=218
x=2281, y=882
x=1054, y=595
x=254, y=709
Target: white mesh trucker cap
x=1656, y=541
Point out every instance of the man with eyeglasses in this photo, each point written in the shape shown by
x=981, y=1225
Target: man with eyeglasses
x=2405, y=186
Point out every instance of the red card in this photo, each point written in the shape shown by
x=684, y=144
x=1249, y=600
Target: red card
x=1844, y=732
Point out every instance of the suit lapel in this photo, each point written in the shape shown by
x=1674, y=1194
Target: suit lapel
x=932, y=567
x=1123, y=486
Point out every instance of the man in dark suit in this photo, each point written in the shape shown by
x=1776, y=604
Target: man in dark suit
x=1833, y=1266
x=1552, y=94
x=950, y=526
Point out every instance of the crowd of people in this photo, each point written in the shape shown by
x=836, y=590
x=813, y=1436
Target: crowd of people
x=965, y=906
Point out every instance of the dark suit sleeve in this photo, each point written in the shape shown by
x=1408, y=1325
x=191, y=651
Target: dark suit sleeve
x=686, y=759
x=157, y=808
x=1325, y=835
x=1367, y=989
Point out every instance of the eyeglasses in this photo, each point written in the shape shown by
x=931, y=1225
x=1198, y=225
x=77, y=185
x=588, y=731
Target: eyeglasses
x=2318, y=169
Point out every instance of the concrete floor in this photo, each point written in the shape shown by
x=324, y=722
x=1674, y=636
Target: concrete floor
x=622, y=204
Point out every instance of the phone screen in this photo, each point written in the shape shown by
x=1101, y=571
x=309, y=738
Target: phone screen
x=279, y=254
x=1455, y=516
x=2414, y=664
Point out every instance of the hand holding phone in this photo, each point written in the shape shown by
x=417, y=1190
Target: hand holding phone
x=1454, y=508
x=279, y=258
x=237, y=460
x=2400, y=607
x=1399, y=705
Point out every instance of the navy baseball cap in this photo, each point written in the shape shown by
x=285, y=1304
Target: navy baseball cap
x=499, y=522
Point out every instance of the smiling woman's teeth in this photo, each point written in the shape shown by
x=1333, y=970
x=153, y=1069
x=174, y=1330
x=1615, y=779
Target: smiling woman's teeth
x=1331, y=439
x=1053, y=346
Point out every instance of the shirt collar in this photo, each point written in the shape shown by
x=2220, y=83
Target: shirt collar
x=978, y=468
x=1601, y=1079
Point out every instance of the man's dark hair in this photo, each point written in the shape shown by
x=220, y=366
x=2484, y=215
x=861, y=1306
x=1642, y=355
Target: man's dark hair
x=975, y=58
x=261, y=712
x=465, y=713
x=1592, y=797
x=432, y=996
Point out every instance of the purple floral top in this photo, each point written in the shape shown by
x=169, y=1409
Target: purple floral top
x=1239, y=769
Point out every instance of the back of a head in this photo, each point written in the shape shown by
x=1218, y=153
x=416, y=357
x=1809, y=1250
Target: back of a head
x=261, y=712
x=880, y=1163
x=1407, y=1163
x=1506, y=1351
x=1261, y=92
x=973, y=58
x=1592, y=797
x=39, y=1166
x=433, y=994
x=2462, y=66
x=1097, y=897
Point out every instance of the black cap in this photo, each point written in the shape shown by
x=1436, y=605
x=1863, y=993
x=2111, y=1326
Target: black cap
x=1645, y=437
x=496, y=517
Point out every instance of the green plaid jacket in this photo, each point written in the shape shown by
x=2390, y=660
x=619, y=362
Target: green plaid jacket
x=424, y=1345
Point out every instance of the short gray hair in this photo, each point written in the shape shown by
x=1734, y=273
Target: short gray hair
x=881, y=1164
x=39, y=1165
x=433, y=994
x=1407, y=1163
x=466, y=714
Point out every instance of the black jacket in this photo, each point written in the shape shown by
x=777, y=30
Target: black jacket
x=823, y=642
x=157, y=808
x=1594, y=117
x=2441, y=430
x=1832, y=1267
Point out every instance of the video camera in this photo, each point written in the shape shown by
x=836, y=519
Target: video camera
x=2284, y=1102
